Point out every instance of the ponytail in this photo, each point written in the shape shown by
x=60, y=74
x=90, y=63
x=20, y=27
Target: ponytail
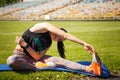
x=61, y=47
x=61, y=50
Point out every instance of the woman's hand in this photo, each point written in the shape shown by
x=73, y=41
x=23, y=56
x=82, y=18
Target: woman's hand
x=89, y=48
x=19, y=40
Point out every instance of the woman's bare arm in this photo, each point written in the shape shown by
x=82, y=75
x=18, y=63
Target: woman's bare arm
x=44, y=27
x=20, y=41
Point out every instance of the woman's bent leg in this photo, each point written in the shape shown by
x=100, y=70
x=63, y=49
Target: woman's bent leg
x=19, y=62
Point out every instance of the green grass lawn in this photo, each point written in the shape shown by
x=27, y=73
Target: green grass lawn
x=103, y=35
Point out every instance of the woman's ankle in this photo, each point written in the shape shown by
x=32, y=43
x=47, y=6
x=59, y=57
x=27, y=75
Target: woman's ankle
x=88, y=69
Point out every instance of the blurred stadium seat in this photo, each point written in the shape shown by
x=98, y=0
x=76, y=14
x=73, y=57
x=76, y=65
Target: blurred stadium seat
x=62, y=10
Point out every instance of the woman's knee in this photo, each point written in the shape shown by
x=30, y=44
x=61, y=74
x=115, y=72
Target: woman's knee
x=17, y=62
x=11, y=59
x=53, y=59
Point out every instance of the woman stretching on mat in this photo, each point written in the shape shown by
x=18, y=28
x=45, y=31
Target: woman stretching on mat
x=32, y=47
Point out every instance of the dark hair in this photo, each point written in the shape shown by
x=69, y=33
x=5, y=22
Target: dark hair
x=61, y=47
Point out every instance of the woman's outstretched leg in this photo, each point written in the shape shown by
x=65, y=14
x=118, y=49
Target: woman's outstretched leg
x=94, y=67
x=67, y=63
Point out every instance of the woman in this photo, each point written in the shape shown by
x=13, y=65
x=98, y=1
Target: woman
x=36, y=41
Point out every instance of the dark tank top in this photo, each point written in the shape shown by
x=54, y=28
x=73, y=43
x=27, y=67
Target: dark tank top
x=37, y=41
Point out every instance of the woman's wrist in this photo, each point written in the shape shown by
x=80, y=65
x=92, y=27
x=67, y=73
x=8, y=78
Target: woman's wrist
x=26, y=46
x=84, y=44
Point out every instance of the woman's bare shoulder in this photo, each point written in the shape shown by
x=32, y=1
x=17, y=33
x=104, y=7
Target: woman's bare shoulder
x=39, y=28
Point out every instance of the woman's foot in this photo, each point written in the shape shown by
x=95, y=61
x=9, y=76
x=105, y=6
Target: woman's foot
x=97, y=69
x=44, y=65
x=96, y=64
x=94, y=68
x=40, y=65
